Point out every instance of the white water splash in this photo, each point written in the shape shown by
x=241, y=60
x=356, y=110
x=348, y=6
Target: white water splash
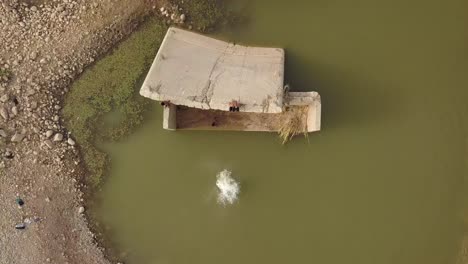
x=228, y=188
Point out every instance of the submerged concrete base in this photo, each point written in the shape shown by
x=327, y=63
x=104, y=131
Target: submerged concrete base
x=186, y=118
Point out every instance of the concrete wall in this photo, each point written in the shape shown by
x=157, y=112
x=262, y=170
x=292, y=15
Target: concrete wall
x=170, y=117
x=312, y=99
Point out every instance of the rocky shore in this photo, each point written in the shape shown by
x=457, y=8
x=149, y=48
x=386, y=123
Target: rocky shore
x=45, y=45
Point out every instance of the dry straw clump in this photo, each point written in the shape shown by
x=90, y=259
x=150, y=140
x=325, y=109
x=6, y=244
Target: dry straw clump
x=295, y=123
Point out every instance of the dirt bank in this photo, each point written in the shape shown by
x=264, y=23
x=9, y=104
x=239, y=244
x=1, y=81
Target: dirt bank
x=44, y=46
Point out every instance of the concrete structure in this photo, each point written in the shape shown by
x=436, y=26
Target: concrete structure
x=201, y=76
x=202, y=72
x=253, y=122
x=314, y=112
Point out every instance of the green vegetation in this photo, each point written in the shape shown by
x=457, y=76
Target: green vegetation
x=111, y=85
x=206, y=15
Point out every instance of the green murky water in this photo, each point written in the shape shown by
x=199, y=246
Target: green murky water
x=382, y=183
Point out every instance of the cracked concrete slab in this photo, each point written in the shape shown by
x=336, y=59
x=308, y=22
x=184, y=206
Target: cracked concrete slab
x=198, y=71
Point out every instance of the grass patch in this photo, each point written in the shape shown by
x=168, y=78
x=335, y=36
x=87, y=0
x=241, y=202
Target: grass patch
x=207, y=15
x=111, y=85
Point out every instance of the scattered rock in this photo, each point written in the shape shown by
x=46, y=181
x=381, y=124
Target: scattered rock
x=8, y=154
x=33, y=55
x=42, y=58
x=4, y=98
x=17, y=137
x=48, y=143
x=49, y=133
x=14, y=110
x=182, y=18
x=81, y=210
x=71, y=142
x=4, y=113
x=58, y=137
x=33, y=105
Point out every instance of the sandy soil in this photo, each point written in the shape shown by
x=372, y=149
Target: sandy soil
x=44, y=46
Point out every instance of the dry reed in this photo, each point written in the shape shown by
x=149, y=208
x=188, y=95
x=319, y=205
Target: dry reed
x=294, y=123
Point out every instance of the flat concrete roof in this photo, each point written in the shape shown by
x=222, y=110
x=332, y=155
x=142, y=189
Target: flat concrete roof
x=198, y=71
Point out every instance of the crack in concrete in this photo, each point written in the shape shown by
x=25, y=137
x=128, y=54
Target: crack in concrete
x=207, y=92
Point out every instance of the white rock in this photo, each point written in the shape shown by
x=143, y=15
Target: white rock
x=182, y=18
x=71, y=142
x=49, y=133
x=58, y=137
x=33, y=8
x=81, y=210
x=14, y=110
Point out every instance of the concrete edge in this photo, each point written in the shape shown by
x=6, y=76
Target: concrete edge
x=170, y=117
x=314, y=113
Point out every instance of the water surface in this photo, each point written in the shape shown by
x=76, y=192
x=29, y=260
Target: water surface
x=382, y=183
